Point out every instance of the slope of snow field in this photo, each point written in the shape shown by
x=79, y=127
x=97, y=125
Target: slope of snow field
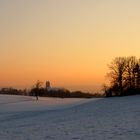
x=22, y=118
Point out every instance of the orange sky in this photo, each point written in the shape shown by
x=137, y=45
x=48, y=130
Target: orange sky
x=69, y=42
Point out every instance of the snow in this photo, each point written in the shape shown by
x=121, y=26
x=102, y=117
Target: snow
x=24, y=118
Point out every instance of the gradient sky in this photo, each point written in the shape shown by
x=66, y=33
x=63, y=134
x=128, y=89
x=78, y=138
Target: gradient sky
x=69, y=42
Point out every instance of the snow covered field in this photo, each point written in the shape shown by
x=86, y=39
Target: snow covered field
x=22, y=118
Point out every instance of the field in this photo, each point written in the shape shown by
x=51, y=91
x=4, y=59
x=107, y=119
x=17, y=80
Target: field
x=24, y=118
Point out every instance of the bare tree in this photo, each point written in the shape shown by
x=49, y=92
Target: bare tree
x=36, y=90
x=117, y=70
x=137, y=75
x=131, y=69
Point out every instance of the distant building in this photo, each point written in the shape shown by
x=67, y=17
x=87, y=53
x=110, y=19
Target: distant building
x=54, y=89
x=48, y=85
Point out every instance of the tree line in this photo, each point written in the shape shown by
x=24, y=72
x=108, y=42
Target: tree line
x=124, y=77
x=39, y=91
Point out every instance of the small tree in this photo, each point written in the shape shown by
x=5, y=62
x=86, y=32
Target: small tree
x=36, y=89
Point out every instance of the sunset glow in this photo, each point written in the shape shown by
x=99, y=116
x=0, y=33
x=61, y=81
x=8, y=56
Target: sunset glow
x=68, y=42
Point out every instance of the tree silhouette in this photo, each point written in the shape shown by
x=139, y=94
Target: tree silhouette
x=117, y=70
x=37, y=88
x=124, y=76
x=131, y=70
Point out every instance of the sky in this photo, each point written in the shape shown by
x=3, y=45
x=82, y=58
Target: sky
x=68, y=42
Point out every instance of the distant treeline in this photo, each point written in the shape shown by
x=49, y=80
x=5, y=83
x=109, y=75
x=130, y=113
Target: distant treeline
x=124, y=77
x=13, y=91
x=43, y=92
x=62, y=93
